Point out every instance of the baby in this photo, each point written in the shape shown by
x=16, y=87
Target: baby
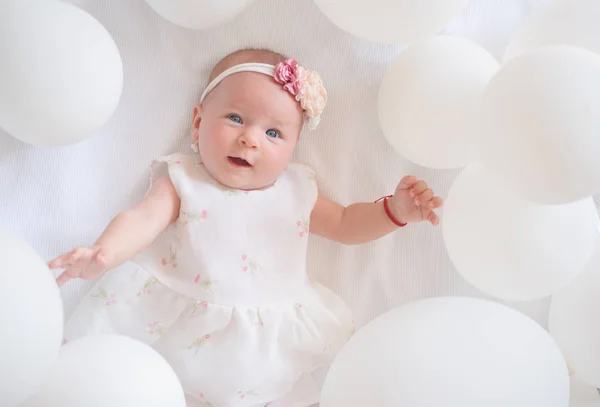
x=218, y=281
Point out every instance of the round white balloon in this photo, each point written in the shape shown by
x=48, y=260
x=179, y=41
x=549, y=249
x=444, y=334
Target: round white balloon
x=538, y=124
x=199, y=14
x=449, y=351
x=31, y=316
x=109, y=370
x=574, y=321
x=562, y=22
x=61, y=74
x=426, y=100
x=512, y=248
x=392, y=21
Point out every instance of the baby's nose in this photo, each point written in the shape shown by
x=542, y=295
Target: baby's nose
x=249, y=140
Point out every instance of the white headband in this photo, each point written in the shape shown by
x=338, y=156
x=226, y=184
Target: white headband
x=306, y=86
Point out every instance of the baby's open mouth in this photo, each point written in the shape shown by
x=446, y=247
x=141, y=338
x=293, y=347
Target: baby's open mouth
x=239, y=162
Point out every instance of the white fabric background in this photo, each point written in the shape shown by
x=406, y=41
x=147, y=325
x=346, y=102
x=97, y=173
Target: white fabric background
x=60, y=198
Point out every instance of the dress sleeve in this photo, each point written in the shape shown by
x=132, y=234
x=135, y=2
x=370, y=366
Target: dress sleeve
x=170, y=165
x=305, y=183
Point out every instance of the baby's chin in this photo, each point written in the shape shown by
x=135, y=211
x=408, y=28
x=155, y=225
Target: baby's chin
x=245, y=182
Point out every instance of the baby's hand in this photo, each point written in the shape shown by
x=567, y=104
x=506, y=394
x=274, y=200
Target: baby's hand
x=414, y=201
x=84, y=262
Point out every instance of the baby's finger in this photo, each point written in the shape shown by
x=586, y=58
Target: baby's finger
x=58, y=262
x=424, y=197
x=436, y=202
x=433, y=218
x=100, y=258
x=63, y=278
x=418, y=188
x=76, y=254
x=407, y=182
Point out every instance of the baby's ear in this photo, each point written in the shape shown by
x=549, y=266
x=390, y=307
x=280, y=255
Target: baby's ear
x=196, y=119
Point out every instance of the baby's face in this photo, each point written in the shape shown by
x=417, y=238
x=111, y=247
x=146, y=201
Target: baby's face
x=248, y=127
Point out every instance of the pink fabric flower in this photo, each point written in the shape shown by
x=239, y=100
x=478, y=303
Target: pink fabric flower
x=290, y=75
x=286, y=71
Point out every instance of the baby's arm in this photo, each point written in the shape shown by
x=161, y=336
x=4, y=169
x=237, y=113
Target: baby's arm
x=128, y=233
x=413, y=201
x=132, y=230
x=354, y=224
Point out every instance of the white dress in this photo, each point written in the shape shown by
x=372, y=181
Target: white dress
x=223, y=293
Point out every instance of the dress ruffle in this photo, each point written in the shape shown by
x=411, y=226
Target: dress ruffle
x=304, y=333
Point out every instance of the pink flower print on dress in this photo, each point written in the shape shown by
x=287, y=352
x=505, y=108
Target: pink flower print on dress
x=155, y=328
x=204, y=283
x=108, y=298
x=304, y=227
x=173, y=162
x=203, y=400
x=147, y=289
x=249, y=264
x=199, y=343
x=170, y=260
x=189, y=217
x=233, y=192
x=259, y=321
x=298, y=306
x=199, y=307
x=243, y=394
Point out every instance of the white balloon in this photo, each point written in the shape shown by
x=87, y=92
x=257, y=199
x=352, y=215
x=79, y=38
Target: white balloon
x=109, y=370
x=31, y=316
x=391, y=21
x=61, y=74
x=512, y=248
x=562, y=22
x=538, y=124
x=426, y=100
x=199, y=14
x=449, y=351
x=583, y=395
x=574, y=321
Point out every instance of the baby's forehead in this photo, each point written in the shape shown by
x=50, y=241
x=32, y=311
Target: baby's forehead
x=257, y=94
x=252, y=87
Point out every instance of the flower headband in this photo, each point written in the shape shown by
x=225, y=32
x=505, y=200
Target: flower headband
x=306, y=86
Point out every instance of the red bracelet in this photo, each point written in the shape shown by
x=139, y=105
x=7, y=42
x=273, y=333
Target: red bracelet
x=389, y=213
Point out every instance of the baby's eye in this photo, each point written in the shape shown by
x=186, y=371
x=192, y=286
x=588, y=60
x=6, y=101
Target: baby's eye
x=272, y=133
x=235, y=118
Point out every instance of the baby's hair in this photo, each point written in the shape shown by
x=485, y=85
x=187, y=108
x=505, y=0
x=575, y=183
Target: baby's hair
x=242, y=56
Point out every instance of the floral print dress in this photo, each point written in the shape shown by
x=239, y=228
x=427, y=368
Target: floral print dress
x=223, y=293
